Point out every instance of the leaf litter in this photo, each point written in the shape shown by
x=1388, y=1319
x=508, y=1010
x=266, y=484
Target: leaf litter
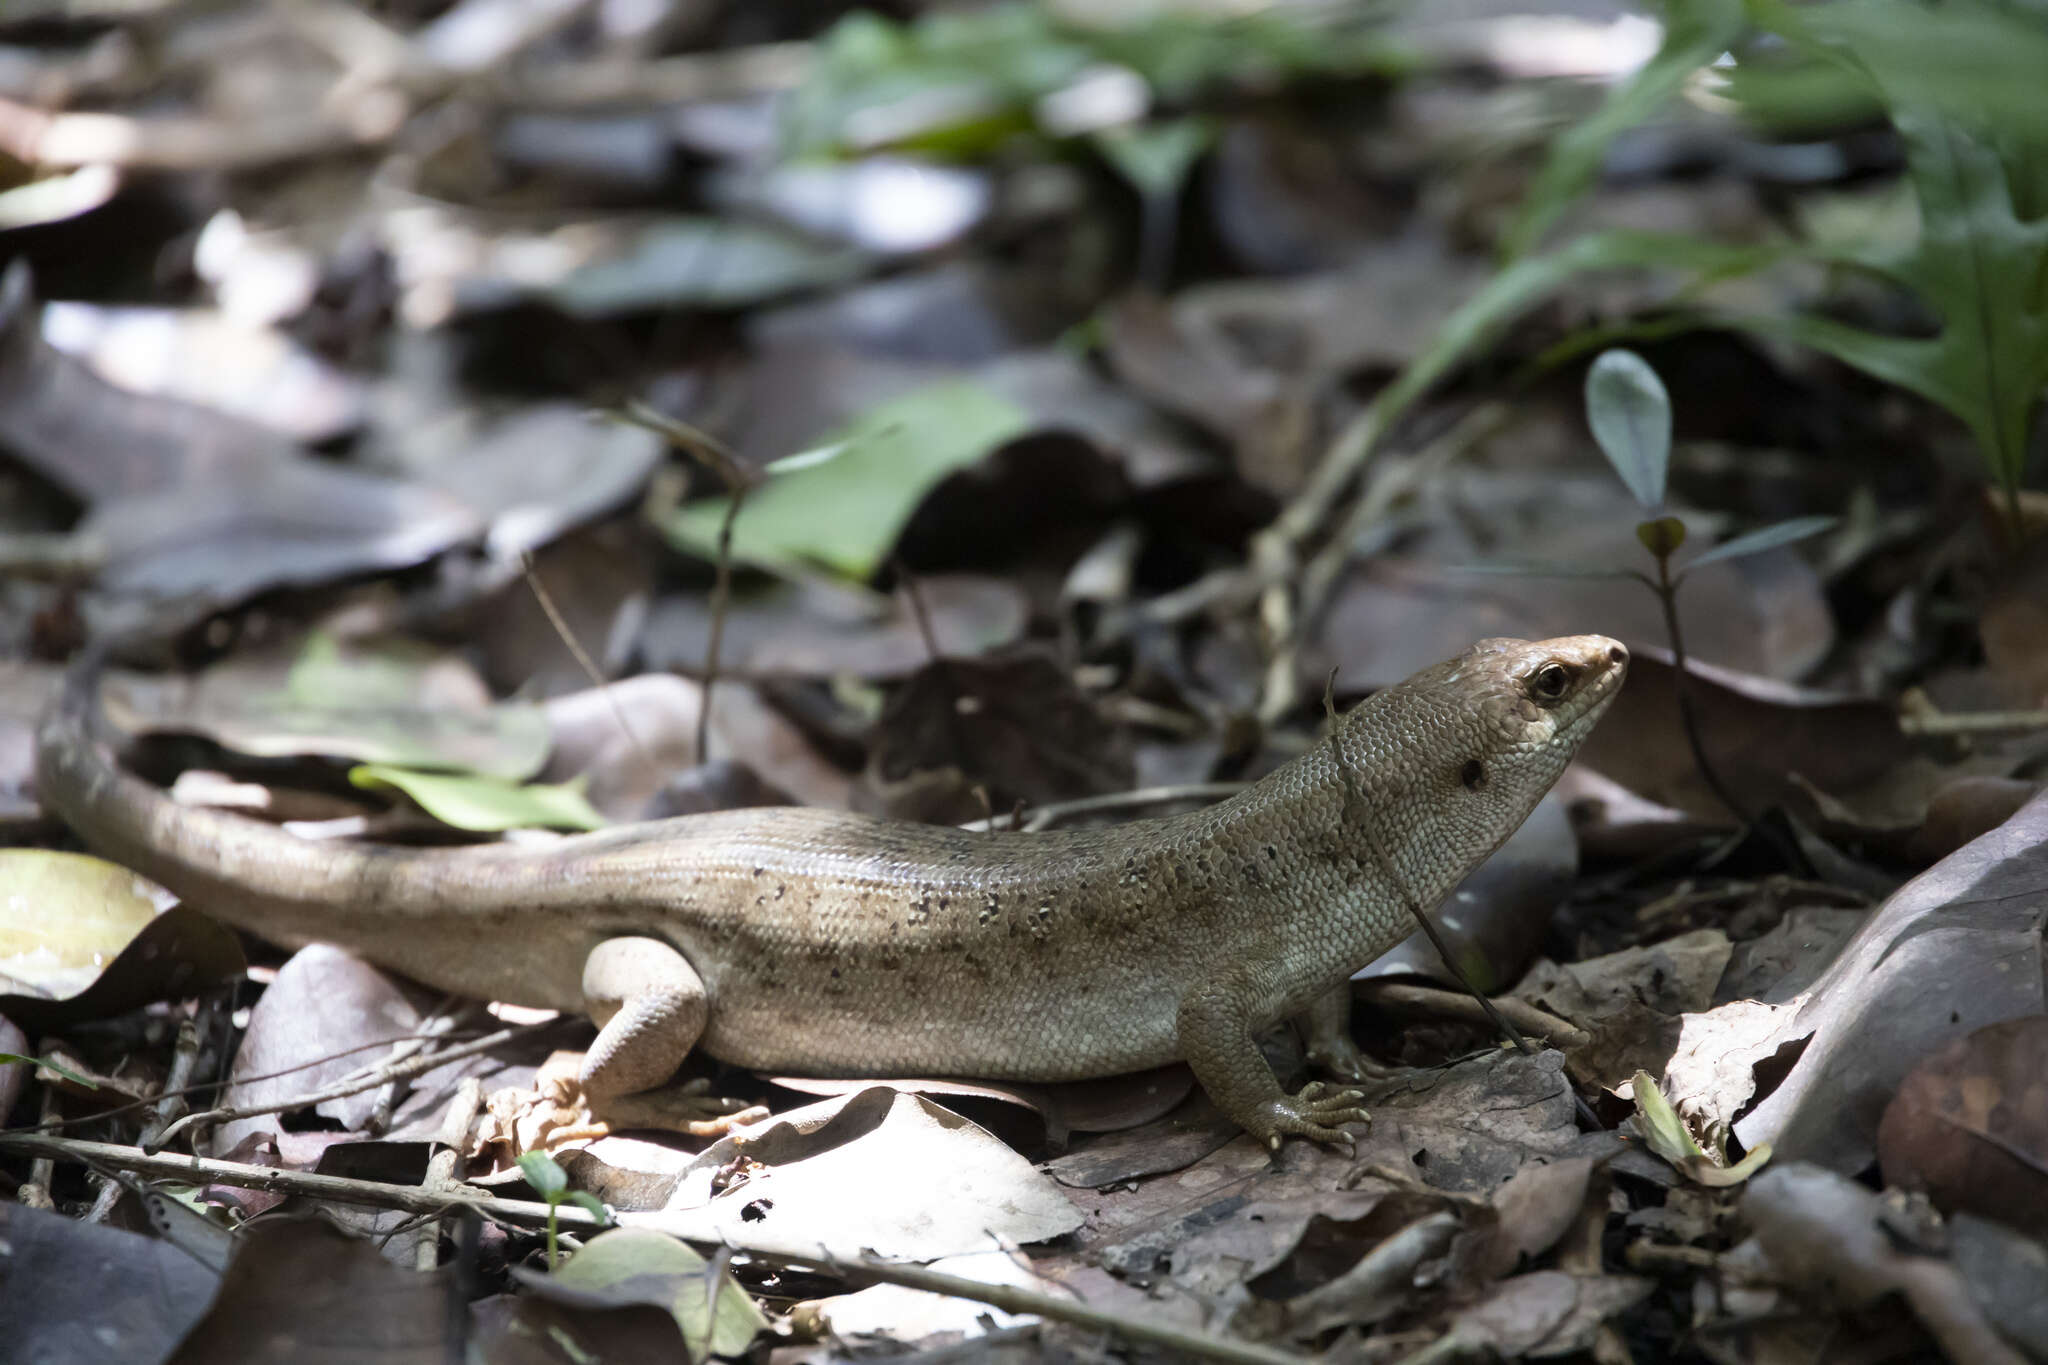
x=1129, y=366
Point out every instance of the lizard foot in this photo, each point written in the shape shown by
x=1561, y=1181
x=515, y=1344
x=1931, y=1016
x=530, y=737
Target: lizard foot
x=689, y=1108
x=1339, y=1056
x=1314, y=1112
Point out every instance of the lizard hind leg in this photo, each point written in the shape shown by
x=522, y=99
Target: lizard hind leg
x=650, y=1008
x=1325, y=1028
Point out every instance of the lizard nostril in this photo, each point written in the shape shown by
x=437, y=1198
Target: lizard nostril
x=1617, y=653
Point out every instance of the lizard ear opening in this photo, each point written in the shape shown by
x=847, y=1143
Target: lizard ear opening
x=1473, y=774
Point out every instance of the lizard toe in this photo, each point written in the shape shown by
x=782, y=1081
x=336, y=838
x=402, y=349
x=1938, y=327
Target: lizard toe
x=1340, y=1057
x=1315, y=1112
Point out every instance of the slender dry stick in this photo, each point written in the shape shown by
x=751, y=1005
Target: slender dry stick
x=1054, y=811
x=1440, y=1003
x=101, y=1115
x=184, y=1061
x=1399, y=883
x=412, y=1199
x=195, y=1170
x=918, y=610
x=713, y=454
x=721, y=602
x=1973, y=722
x=444, y=1165
x=370, y=1079
x=531, y=571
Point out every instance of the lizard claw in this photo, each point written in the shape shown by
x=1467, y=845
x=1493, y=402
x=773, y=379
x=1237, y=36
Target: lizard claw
x=1315, y=1113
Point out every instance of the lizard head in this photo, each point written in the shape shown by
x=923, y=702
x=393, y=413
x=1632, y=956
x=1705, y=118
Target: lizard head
x=1531, y=703
x=1473, y=743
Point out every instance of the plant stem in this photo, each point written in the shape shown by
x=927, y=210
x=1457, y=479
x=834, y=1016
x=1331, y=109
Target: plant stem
x=1667, y=594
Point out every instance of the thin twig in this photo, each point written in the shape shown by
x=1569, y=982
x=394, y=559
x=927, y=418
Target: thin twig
x=354, y=1085
x=184, y=1060
x=712, y=453
x=101, y=1115
x=167, y=1165
x=57, y=557
x=444, y=1167
x=1973, y=722
x=721, y=602
x=918, y=610
x=1667, y=597
x=1442, y=1004
x=1177, y=1341
x=1054, y=812
x=725, y=74
x=531, y=571
x=412, y=1199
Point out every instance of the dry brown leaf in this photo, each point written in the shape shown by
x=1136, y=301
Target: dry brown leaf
x=1969, y=1125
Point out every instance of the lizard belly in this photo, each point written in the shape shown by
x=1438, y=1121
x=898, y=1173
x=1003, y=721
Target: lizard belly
x=1004, y=1035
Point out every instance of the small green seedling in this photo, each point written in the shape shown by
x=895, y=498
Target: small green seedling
x=1666, y=1134
x=1630, y=414
x=551, y=1183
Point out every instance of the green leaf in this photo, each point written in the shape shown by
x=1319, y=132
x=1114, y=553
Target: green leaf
x=847, y=512
x=1666, y=1134
x=66, y=1072
x=638, y=1265
x=363, y=701
x=1786, y=94
x=1975, y=63
x=483, y=803
x=544, y=1174
x=1977, y=157
x=1664, y=1131
x=1631, y=419
x=1155, y=158
x=1764, y=538
x=589, y=1203
x=1698, y=32
x=1984, y=271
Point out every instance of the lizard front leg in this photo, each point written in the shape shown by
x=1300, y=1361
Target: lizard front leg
x=1216, y=1036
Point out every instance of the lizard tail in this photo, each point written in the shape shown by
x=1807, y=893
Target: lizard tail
x=245, y=871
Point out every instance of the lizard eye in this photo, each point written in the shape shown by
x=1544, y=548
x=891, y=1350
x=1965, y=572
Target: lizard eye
x=1473, y=774
x=1550, y=682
